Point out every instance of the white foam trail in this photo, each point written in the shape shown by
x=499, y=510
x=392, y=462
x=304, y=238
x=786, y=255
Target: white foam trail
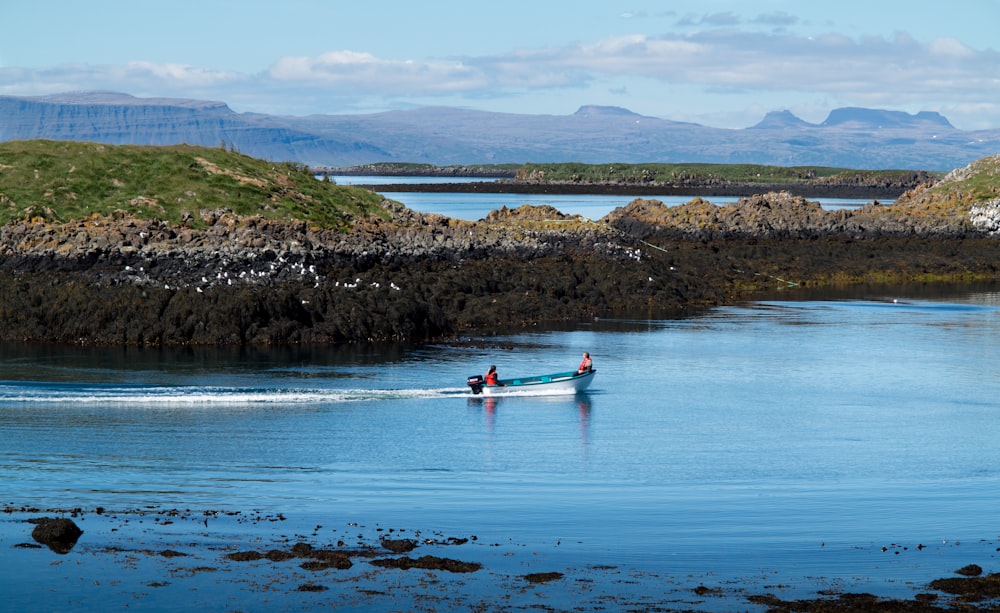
x=33, y=394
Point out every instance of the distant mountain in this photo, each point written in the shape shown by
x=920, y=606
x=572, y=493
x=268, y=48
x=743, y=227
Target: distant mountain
x=120, y=119
x=850, y=137
x=782, y=119
x=591, y=110
x=875, y=119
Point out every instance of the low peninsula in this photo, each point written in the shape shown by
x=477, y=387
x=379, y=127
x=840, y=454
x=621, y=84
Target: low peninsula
x=181, y=245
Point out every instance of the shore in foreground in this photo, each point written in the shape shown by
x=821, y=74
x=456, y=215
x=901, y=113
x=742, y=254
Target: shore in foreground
x=244, y=560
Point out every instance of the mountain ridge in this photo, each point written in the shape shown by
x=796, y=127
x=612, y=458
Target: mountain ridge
x=850, y=137
x=781, y=119
x=875, y=118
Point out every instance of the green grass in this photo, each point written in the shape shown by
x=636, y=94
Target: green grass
x=664, y=173
x=416, y=169
x=979, y=182
x=753, y=173
x=61, y=181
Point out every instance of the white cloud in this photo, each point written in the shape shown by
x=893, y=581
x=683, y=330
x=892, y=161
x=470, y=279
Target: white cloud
x=728, y=68
x=777, y=19
x=133, y=77
x=364, y=72
x=727, y=18
x=950, y=48
x=179, y=74
x=746, y=62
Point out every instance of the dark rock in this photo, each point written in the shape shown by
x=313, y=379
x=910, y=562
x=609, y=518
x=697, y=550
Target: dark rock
x=245, y=556
x=428, y=563
x=970, y=588
x=972, y=570
x=311, y=587
x=542, y=577
x=276, y=555
x=339, y=564
x=332, y=555
x=59, y=535
x=399, y=545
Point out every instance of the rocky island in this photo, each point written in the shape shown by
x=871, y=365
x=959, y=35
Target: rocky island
x=190, y=245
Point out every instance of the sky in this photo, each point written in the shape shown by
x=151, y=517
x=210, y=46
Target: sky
x=720, y=63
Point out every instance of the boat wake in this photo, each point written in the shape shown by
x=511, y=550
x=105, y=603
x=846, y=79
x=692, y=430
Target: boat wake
x=53, y=393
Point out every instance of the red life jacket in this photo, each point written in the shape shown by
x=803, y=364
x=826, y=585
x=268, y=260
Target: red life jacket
x=491, y=378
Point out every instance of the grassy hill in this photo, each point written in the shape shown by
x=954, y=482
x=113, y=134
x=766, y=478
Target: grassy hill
x=61, y=181
x=976, y=183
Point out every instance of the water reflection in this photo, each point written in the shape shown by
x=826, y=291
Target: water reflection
x=584, y=406
x=93, y=364
x=985, y=292
x=581, y=403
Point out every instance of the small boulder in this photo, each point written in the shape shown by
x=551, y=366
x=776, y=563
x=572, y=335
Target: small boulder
x=399, y=545
x=972, y=570
x=59, y=535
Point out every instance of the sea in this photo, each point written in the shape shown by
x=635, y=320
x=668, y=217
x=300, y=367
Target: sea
x=798, y=444
x=475, y=206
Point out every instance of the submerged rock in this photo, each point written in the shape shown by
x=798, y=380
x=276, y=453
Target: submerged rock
x=428, y=563
x=59, y=535
x=399, y=545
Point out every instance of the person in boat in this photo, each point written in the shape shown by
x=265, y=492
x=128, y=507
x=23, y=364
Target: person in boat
x=586, y=365
x=492, y=378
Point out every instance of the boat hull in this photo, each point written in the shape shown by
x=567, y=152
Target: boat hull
x=557, y=383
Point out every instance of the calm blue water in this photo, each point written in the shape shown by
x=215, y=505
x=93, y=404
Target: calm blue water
x=804, y=441
x=473, y=207
x=788, y=438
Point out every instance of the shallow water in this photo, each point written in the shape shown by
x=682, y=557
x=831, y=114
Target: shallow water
x=789, y=440
x=476, y=206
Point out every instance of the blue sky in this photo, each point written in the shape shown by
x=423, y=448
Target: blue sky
x=718, y=63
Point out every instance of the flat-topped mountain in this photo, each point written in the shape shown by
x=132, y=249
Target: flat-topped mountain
x=593, y=110
x=876, y=119
x=848, y=138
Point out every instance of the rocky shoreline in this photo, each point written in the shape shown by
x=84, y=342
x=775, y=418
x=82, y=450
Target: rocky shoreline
x=120, y=280
x=149, y=556
x=884, y=191
x=230, y=279
x=495, y=181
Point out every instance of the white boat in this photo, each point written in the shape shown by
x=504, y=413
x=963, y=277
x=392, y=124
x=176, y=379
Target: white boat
x=556, y=383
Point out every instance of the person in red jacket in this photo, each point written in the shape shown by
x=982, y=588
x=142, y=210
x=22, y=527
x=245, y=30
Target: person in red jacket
x=586, y=365
x=492, y=378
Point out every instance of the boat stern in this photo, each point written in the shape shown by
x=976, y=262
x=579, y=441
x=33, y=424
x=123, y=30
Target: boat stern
x=475, y=382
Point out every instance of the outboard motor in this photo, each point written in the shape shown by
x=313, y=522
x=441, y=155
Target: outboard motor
x=476, y=383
